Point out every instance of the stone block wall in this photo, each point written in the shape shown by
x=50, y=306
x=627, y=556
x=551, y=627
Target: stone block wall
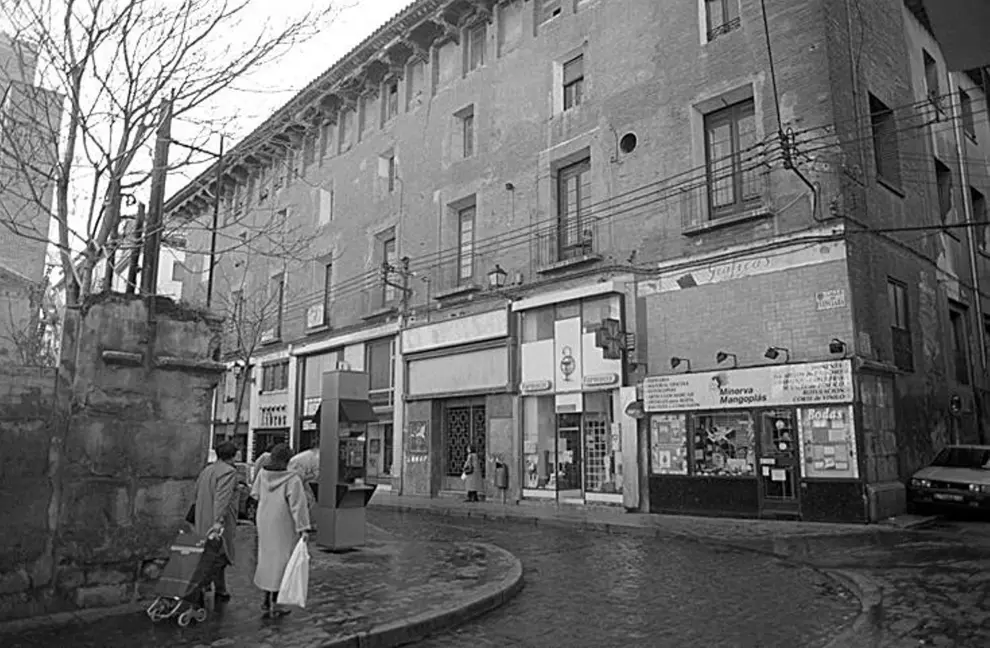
x=114, y=465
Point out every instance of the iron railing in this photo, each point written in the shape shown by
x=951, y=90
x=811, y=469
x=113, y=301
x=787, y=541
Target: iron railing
x=465, y=270
x=571, y=240
x=726, y=196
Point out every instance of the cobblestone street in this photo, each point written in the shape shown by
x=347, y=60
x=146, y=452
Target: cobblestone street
x=586, y=588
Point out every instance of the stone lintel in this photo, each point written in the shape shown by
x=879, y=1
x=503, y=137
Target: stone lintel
x=205, y=366
x=126, y=358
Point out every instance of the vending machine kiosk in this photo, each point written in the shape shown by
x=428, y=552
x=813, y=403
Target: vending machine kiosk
x=343, y=495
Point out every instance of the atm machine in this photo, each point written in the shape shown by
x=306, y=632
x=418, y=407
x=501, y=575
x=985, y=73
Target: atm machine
x=343, y=495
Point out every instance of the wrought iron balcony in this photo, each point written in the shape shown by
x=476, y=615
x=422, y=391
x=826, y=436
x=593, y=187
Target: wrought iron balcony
x=726, y=199
x=569, y=243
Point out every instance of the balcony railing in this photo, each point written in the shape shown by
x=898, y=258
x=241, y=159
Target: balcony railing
x=741, y=196
x=570, y=243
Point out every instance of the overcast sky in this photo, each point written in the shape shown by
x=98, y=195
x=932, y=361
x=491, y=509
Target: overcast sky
x=256, y=98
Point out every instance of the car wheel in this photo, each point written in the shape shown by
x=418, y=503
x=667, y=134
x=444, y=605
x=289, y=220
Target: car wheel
x=251, y=510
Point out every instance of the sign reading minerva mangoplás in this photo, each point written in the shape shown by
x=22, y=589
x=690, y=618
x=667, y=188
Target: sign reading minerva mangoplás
x=769, y=386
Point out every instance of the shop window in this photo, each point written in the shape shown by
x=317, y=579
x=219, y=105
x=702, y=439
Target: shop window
x=885, y=146
x=539, y=442
x=733, y=182
x=668, y=444
x=960, y=344
x=573, y=82
x=275, y=376
x=722, y=444
x=721, y=17
x=537, y=324
x=379, y=362
x=900, y=328
x=828, y=446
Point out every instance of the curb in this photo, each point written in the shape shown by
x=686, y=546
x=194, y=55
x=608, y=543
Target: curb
x=416, y=628
x=864, y=631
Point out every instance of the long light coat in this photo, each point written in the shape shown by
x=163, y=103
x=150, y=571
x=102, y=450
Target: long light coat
x=283, y=514
x=306, y=464
x=474, y=481
x=216, y=501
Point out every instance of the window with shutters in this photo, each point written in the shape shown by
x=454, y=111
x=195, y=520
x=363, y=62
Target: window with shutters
x=733, y=177
x=476, y=42
x=465, y=245
x=900, y=325
x=885, y=146
x=721, y=17
x=379, y=361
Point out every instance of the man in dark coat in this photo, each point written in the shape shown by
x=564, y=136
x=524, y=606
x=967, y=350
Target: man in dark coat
x=216, y=508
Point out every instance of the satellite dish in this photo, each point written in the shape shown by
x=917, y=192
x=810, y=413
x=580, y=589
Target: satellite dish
x=635, y=410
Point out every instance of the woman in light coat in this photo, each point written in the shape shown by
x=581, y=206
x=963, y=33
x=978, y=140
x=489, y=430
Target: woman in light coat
x=283, y=518
x=472, y=471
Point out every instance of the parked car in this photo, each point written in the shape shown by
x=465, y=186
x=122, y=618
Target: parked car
x=958, y=478
x=247, y=506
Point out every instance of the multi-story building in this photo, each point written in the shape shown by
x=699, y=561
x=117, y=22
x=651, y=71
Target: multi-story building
x=644, y=254
x=29, y=125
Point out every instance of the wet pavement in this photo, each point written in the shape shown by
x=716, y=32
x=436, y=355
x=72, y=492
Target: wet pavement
x=594, y=589
x=388, y=582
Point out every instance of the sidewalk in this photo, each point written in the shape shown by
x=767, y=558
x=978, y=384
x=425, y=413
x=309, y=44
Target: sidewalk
x=385, y=594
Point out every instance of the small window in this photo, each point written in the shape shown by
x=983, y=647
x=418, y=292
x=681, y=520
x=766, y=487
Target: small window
x=327, y=291
x=966, y=111
x=722, y=16
x=346, y=124
x=573, y=82
x=326, y=133
x=476, y=47
x=943, y=179
x=931, y=77
x=415, y=83
x=392, y=100
x=885, y=147
x=900, y=329
x=467, y=133
x=548, y=9
x=178, y=271
x=465, y=245
x=960, y=344
x=390, y=162
x=979, y=204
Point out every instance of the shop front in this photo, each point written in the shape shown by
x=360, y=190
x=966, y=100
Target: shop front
x=570, y=387
x=777, y=441
x=457, y=398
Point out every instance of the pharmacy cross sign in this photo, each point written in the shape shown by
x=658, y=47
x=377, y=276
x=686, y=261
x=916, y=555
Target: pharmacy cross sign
x=611, y=339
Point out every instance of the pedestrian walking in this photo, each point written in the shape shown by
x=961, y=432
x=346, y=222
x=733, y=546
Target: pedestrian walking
x=472, y=475
x=216, y=508
x=283, y=517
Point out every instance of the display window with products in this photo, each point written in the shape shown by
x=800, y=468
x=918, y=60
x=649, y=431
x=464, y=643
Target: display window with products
x=722, y=444
x=829, y=443
x=668, y=444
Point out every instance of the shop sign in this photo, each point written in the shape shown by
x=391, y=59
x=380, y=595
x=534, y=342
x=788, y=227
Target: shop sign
x=533, y=386
x=830, y=299
x=770, y=386
x=600, y=380
x=310, y=405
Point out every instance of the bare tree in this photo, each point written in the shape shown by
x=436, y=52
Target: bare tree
x=31, y=328
x=105, y=66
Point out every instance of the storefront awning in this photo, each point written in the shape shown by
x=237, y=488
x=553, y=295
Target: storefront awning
x=357, y=411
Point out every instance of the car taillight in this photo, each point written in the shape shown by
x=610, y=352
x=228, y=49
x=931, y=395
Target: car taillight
x=979, y=488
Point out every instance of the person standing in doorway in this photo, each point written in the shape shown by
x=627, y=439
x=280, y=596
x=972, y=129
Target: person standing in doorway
x=283, y=518
x=472, y=475
x=216, y=509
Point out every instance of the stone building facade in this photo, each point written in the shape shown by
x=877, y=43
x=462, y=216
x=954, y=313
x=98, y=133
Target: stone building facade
x=523, y=218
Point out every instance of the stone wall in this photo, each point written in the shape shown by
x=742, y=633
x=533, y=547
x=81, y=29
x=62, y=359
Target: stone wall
x=114, y=463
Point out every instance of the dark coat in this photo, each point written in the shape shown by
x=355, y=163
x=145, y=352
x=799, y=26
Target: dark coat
x=216, y=501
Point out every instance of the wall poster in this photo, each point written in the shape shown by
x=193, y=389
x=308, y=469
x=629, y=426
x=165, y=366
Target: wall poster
x=828, y=442
x=417, y=445
x=668, y=444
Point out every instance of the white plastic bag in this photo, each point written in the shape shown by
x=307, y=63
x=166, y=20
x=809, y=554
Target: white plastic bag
x=295, y=580
x=463, y=476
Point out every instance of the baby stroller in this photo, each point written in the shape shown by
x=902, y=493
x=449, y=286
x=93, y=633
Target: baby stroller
x=193, y=561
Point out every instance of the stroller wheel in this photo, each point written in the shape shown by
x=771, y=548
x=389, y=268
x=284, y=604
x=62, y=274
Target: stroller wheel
x=185, y=618
x=200, y=615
